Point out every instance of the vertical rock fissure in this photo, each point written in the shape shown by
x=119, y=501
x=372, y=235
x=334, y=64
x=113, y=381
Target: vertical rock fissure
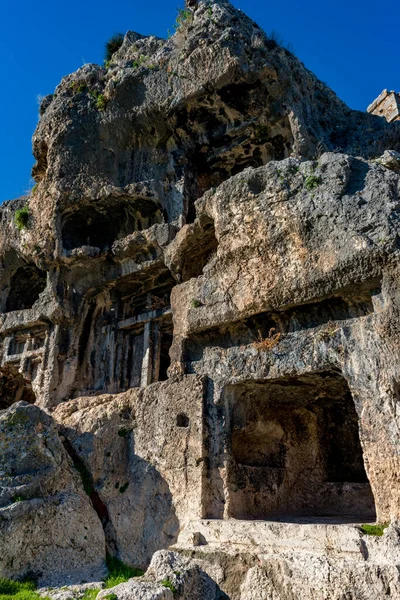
x=98, y=505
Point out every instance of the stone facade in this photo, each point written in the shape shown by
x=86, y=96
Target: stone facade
x=387, y=105
x=204, y=303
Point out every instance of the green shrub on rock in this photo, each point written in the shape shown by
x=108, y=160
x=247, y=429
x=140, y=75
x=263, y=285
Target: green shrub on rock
x=168, y=584
x=22, y=217
x=312, y=182
x=113, y=44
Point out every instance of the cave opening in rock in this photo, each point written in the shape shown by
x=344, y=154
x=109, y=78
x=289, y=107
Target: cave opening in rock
x=100, y=227
x=295, y=450
x=26, y=284
x=14, y=387
x=226, y=132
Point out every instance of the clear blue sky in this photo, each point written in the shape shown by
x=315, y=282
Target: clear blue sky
x=352, y=45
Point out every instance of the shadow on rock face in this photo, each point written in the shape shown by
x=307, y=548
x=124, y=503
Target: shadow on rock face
x=152, y=509
x=357, y=182
x=131, y=497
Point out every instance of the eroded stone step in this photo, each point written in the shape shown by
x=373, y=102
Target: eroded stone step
x=321, y=536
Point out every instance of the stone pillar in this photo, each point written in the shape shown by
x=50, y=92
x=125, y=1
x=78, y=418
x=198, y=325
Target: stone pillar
x=151, y=353
x=147, y=356
x=156, y=336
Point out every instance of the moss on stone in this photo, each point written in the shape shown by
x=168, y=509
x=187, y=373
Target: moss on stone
x=377, y=529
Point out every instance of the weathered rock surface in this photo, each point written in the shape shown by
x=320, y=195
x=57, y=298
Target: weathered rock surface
x=135, y=590
x=145, y=468
x=391, y=160
x=185, y=575
x=242, y=570
x=48, y=529
x=71, y=592
x=203, y=291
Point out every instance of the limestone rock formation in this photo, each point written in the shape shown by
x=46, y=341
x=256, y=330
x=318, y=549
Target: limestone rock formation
x=202, y=291
x=146, y=465
x=133, y=590
x=48, y=528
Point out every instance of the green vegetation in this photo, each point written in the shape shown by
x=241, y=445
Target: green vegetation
x=22, y=217
x=35, y=187
x=118, y=572
x=124, y=487
x=312, y=182
x=25, y=590
x=293, y=169
x=377, y=529
x=196, y=303
x=111, y=597
x=77, y=86
x=140, y=61
x=101, y=102
x=91, y=594
x=280, y=175
x=113, y=44
x=18, y=499
x=16, y=419
x=168, y=584
x=18, y=590
x=183, y=15
x=100, y=99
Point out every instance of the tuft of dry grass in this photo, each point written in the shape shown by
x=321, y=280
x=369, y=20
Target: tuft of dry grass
x=266, y=344
x=328, y=332
x=157, y=303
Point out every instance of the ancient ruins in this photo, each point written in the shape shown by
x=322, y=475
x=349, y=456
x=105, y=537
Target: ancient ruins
x=200, y=325
x=387, y=105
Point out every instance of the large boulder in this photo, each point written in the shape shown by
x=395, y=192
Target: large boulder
x=48, y=527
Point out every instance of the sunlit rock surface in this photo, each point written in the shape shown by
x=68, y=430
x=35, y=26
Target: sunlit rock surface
x=200, y=324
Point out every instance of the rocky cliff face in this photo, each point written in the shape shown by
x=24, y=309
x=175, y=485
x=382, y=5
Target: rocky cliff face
x=201, y=300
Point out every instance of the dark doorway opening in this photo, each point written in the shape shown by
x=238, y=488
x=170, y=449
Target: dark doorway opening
x=100, y=227
x=165, y=360
x=14, y=387
x=295, y=450
x=26, y=285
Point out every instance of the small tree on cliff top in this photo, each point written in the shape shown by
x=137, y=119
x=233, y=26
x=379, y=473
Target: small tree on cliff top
x=113, y=44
